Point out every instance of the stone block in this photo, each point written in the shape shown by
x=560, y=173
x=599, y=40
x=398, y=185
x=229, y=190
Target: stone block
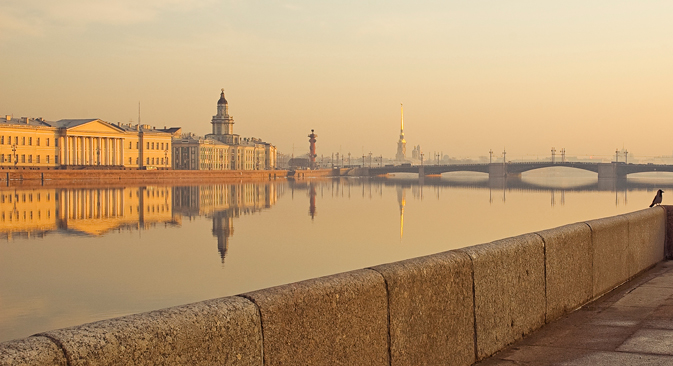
x=431, y=310
x=610, y=239
x=509, y=290
x=335, y=320
x=647, y=236
x=222, y=331
x=569, y=265
x=31, y=351
x=669, y=231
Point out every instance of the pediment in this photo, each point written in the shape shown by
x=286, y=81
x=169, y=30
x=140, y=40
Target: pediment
x=97, y=126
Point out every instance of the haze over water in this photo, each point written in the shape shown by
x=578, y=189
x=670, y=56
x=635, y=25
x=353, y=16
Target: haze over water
x=74, y=255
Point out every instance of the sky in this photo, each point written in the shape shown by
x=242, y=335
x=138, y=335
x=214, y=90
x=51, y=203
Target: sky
x=524, y=76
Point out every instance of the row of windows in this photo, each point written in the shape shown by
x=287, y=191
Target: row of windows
x=22, y=158
x=8, y=197
x=151, y=146
x=27, y=215
x=150, y=193
x=152, y=161
x=23, y=140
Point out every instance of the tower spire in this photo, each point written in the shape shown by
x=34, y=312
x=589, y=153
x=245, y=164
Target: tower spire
x=401, y=144
x=402, y=123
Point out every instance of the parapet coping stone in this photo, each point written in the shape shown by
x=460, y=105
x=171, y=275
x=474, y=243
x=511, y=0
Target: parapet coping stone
x=224, y=331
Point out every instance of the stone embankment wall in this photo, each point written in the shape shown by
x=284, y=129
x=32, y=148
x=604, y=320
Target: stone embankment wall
x=59, y=177
x=451, y=308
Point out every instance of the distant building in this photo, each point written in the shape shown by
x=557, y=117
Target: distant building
x=81, y=144
x=222, y=149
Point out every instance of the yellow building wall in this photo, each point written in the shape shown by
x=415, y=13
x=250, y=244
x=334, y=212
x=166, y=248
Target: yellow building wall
x=35, y=146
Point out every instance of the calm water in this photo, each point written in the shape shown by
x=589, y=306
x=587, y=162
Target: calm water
x=75, y=255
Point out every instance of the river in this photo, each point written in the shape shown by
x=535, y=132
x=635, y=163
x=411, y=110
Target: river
x=74, y=255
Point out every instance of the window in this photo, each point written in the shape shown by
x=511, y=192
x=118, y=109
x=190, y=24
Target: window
x=16, y=140
x=30, y=158
x=148, y=159
x=2, y=140
x=136, y=160
x=30, y=141
x=23, y=140
x=55, y=159
x=47, y=159
x=37, y=159
x=130, y=145
x=23, y=158
x=162, y=146
x=2, y=158
x=38, y=141
x=137, y=144
x=148, y=146
x=55, y=142
x=152, y=161
x=153, y=146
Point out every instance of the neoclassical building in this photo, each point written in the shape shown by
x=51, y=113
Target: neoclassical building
x=81, y=143
x=222, y=149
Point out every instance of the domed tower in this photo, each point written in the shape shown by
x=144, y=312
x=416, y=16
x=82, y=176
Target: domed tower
x=223, y=123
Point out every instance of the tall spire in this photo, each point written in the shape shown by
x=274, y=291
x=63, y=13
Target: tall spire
x=402, y=124
x=401, y=144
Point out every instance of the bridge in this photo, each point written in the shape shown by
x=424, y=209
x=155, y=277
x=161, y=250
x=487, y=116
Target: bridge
x=504, y=170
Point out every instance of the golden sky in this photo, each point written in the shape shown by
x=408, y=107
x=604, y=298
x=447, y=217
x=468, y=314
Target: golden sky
x=587, y=76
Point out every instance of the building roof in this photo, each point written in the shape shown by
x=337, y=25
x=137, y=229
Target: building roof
x=34, y=122
x=70, y=123
x=222, y=100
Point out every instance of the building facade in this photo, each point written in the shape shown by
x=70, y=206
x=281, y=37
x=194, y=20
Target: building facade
x=81, y=143
x=222, y=149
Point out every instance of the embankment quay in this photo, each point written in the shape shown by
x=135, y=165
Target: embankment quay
x=59, y=177
x=452, y=308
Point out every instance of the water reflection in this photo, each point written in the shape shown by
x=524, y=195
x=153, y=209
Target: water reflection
x=84, y=211
x=36, y=212
x=223, y=203
x=26, y=213
x=92, y=253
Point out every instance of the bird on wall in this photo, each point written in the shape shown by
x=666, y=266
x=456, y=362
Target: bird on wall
x=657, y=198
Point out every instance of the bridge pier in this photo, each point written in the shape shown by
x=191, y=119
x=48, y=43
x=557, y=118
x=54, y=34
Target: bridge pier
x=499, y=170
x=610, y=171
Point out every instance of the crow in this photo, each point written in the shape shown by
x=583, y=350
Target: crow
x=657, y=198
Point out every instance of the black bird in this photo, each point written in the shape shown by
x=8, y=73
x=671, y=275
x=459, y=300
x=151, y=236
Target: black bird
x=657, y=198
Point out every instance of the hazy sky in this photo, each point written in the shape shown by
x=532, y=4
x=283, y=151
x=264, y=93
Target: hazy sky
x=587, y=76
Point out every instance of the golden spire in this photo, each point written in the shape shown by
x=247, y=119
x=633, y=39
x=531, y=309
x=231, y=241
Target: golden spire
x=402, y=124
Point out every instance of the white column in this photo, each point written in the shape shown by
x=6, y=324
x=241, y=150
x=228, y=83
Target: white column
x=121, y=153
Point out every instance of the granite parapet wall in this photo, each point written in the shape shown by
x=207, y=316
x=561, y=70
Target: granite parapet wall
x=454, y=308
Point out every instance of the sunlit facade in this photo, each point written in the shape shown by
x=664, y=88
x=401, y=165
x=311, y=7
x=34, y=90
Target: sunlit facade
x=222, y=149
x=81, y=143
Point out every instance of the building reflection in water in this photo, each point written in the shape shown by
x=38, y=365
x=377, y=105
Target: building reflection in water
x=96, y=211
x=402, y=201
x=223, y=203
x=82, y=211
